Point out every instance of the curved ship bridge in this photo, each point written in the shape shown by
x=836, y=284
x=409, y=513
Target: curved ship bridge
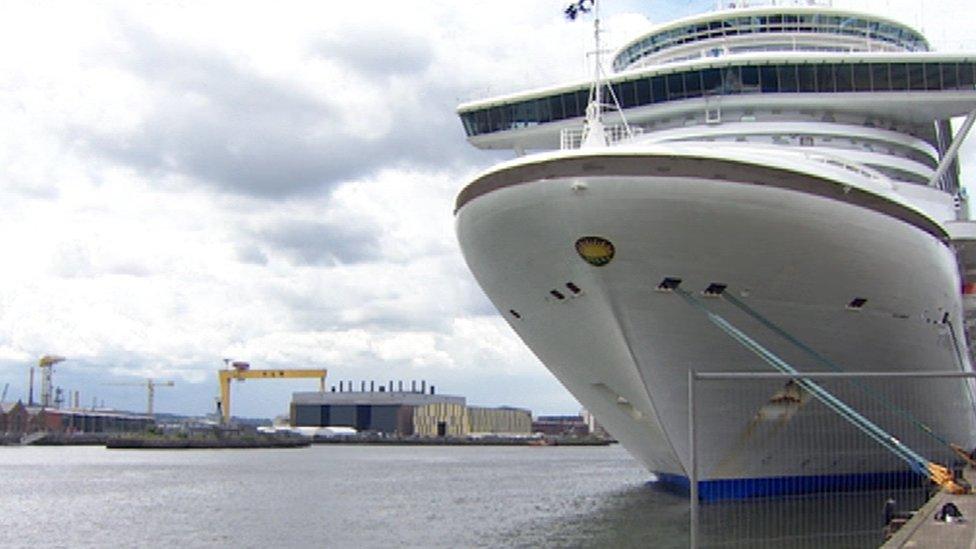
x=838, y=87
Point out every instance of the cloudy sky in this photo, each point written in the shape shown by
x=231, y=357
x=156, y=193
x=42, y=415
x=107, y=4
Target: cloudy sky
x=187, y=181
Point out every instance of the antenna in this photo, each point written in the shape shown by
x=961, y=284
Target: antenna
x=598, y=61
x=593, y=133
x=597, y=104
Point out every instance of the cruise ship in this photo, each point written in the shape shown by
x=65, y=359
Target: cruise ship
x=790, y=167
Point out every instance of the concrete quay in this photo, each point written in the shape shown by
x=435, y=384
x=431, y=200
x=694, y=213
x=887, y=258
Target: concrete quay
x=924, y=531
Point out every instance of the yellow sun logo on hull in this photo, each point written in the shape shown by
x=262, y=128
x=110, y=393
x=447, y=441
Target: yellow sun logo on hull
x=595, y=250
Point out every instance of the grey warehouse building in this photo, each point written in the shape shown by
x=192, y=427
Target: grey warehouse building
x=401, y=413
x=405, y=413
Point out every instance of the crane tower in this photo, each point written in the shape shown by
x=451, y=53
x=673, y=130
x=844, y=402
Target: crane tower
x=46, y=364
x=150, y=384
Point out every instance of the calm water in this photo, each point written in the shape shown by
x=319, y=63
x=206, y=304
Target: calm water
x=334, y=496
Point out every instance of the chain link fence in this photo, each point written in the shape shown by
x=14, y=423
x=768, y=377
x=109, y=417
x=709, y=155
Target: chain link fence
x=773, y=465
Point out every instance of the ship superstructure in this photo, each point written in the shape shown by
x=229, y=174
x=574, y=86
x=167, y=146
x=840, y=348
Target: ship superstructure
x=798, y=155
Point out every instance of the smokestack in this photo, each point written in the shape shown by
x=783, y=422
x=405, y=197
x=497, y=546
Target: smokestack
x=413, y=385
x=30, y=388
x=372, y=386
x=431, y=389
x=77, y=400
x=401, y=385
x=423, y=386
x=362, y=386
x=333, y=388
x=340, y=386
x=390, y=386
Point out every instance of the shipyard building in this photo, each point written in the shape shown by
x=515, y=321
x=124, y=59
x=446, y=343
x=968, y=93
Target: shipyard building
x=17, y=418
x=414, y=411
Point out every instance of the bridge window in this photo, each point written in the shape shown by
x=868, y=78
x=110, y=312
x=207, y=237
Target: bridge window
x=627, y=92
x=582, y=98
x=676, y=86
x=843, y=77
x=861, y=77
x=880, y=77
x=967, y=75
x=542, y=106
x=825, y=78
x=787, y=78
x=768, y=79
x=659, y=89
x=749, y=77
x=693, y=84
x=899, y=76
x=916, y=76
x=950, y=75
x=933, y=77
x=783, y=78
x=711, y=81
x=556, y=107
x=806, y=78
x=643, y=89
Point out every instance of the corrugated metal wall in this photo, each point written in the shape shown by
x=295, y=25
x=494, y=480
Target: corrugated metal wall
x=440, y=419
x=429, y=420
x=499, y=421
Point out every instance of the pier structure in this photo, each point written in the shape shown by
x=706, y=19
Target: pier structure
x=928, y=527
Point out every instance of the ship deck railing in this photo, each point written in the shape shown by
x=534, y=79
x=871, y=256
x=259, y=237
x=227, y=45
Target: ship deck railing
x=572, y=138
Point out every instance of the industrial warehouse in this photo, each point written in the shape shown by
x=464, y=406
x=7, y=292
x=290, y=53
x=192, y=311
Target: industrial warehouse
x=17, y=418
x=389, y=411
x=398, y=411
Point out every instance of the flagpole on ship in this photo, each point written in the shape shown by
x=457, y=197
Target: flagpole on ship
x=594, y=131
x=594, y=134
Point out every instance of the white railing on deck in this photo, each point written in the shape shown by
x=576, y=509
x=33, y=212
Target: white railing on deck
x=743, y=4
x=572, y=138
x=852, y=167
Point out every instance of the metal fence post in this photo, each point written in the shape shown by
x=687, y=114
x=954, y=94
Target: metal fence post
x=692, y=461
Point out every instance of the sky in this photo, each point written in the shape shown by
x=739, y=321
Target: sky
x=185, y=182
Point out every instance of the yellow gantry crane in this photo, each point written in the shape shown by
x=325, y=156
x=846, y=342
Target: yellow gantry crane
x=150, y=384
x=242, y=370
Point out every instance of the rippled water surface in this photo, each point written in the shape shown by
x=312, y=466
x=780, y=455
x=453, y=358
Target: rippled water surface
x=334, y=496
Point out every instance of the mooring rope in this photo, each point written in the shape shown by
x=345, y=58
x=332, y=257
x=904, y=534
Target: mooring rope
x=919, y=464
x=830, y=364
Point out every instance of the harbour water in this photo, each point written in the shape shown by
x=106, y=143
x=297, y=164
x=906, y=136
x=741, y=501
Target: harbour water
x=334, y=496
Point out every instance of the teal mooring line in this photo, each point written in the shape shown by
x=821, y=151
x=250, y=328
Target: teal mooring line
x=918, y=463
x=830, y=364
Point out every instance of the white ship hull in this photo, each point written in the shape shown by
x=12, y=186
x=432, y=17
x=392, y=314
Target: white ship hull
x=797, y=247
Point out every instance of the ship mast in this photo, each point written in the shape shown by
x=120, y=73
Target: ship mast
x=593, y=131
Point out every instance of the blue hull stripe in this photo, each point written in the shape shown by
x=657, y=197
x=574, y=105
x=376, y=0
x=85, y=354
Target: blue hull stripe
x=745, y=488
